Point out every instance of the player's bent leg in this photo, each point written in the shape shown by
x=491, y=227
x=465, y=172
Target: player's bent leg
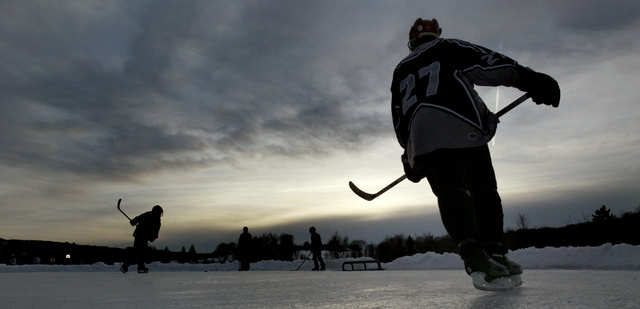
x=457, y=213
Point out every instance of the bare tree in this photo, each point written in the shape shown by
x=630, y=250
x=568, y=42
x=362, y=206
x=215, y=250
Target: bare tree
x=522, y=222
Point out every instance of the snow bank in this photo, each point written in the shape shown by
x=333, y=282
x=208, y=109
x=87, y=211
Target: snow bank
x=428, y=260
x=603, y=257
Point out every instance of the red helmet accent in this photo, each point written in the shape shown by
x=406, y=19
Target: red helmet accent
x=422, y=27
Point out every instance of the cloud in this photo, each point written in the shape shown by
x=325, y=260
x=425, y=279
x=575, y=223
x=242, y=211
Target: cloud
x=597, y=16
x=109, y=93
x=173, y=85
x=371, y=229
x=121, y=89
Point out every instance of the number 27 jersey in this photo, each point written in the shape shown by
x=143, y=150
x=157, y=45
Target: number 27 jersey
x=433, y=102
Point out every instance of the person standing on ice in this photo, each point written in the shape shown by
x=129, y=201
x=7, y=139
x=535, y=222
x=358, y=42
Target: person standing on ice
x=244, y=249
x=147, y=229
x=444, y=126
x=316, y=249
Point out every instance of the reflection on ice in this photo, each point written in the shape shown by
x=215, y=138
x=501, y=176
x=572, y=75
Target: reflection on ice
x=330, y=289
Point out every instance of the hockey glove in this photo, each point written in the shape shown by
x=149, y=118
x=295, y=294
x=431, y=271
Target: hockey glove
x=412, y=175
x=543, y=89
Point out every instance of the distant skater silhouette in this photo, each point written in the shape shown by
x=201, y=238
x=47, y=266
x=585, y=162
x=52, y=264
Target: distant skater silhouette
x=444, y=127
x=316, y=249
x=147, y=229
x=245, y=249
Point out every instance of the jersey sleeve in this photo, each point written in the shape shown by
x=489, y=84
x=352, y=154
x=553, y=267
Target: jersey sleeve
x=484, y=67
x=399, y=125
x=135, y=220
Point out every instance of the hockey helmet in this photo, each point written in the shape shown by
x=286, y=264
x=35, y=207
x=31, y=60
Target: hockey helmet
x=421, y=28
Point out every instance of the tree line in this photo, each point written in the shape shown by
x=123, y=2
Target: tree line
x=603, y=227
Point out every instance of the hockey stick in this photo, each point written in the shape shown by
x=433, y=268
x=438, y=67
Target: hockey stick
x=513, y=104
x=370, y=196
x=303, y=261
x=120, y=200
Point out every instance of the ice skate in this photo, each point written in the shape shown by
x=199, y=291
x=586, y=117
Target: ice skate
x=515, y=270
x=486, y=273
x=480, y=282
x=490, y=275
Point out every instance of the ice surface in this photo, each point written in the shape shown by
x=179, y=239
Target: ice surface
x=587, y=277
x=304, y=289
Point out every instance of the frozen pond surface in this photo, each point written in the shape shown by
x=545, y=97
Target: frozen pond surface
x=330, y=289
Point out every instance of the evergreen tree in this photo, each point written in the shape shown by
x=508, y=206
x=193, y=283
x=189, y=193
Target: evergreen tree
x=602, y=214
x=336, y=245
x=287, y=248
x=356, y=247
x=166, y=255
x=183, y=255
x=411, y=246
x=193, y=255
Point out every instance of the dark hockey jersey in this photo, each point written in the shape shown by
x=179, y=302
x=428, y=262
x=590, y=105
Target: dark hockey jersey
x=147, y=226
x=434, y=104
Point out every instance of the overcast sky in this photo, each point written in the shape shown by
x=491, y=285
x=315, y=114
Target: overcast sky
x=258, y=113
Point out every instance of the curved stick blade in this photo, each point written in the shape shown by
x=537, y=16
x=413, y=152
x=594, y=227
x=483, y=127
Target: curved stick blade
x=120, y=209
x=361, y=193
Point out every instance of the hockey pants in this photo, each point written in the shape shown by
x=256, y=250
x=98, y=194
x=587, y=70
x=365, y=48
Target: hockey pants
x=465, y=184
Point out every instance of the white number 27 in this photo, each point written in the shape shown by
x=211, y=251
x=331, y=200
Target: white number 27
x=409, y=82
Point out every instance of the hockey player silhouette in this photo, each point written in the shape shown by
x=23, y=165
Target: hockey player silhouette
x=316, y=250
x=245, y=249
x=147, y=229
x=444, y=126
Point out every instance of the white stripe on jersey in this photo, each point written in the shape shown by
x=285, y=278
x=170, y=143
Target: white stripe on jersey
x=419, y=50
x=442, y=108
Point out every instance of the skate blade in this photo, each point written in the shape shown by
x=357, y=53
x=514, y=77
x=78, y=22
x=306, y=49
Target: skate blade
x=498, y=284
x=516, y=280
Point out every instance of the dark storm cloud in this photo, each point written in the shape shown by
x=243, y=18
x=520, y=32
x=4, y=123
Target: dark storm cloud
x=114, y=90
x=120, y=89
x=66, y=109
x=598, y=16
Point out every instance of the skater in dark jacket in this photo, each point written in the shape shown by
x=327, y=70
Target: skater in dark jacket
x=444, y=126
x=316, y=249
x=244, y=249
x=147, y=229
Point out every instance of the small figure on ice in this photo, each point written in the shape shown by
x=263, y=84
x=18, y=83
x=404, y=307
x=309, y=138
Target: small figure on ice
x=444, y=127
x=147, y=229
x=316, y=249
x=245, y=250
